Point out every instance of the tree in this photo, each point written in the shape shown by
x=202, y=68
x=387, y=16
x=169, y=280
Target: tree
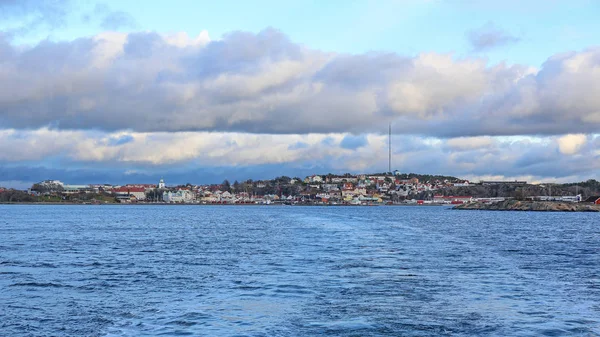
x=12, y=195
x=226, y=186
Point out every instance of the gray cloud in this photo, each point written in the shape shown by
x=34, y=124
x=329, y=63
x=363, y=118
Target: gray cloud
x=489, y=36
x=265, y=83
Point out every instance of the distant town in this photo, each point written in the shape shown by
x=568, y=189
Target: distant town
x=392, y=188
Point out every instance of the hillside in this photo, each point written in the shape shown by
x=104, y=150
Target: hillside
x=590, y=187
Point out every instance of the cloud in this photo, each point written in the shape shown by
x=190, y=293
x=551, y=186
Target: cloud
x=110, y=19
x=469, y=143
x=266, y=84
x=122, y=155
x=25, y=16
x=488, y=37
x=571, y=144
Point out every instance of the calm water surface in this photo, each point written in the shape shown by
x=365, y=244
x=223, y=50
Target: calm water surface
x=296, y=271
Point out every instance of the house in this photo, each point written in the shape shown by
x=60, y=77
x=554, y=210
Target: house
x=330, y=187
x=127, y=192
x=181, y=196
x=348, y=186
x=353, y=192
x=147, y=187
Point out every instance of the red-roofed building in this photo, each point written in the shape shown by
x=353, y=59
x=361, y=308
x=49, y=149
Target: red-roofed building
x=147, y=187
x=123, y=192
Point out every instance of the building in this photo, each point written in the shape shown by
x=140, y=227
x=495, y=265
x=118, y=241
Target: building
x=181, y=196
x=126, y=193
x=72, y=189
x=161, y=184
x=330, y=187
x=51, y=183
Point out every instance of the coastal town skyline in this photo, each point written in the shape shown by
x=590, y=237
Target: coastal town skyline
x=386, y=188
x=109, y=92
x=299, y=168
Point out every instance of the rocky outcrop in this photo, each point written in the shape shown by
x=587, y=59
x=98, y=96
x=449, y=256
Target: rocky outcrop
x=538, y=206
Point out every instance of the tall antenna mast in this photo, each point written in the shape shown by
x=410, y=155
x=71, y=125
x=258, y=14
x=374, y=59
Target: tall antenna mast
x=390, y=149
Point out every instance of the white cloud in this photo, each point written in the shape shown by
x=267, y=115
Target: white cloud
x=182, y=39
x=539, y=157
x=571, y=144
x=266, y=84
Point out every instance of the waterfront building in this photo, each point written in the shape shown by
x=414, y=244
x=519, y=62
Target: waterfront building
x=126, y=193
x=181, y=196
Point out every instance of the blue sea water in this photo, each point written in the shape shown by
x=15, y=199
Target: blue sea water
x=296, y=271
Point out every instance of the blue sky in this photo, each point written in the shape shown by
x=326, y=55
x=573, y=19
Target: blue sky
x=112, y=91
x=407, y=27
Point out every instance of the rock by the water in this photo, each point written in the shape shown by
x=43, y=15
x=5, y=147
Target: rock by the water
x=526, y=205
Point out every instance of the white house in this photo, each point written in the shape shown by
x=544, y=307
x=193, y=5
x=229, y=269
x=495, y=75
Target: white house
x=181, y=196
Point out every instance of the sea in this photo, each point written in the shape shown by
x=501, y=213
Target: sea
x=159, y=270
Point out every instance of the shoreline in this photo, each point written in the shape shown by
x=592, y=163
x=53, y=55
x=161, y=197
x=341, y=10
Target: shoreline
x=529, y=206
x=201, y=204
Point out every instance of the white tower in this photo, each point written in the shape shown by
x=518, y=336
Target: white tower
x=161, y=183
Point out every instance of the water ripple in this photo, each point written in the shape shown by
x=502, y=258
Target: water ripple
x=296, y=271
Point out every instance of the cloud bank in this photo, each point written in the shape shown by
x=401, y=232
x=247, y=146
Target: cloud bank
x=105, y=154
x=132, y=107
x=266, y=84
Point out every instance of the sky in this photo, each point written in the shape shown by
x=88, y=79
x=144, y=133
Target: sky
x=201, y=91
